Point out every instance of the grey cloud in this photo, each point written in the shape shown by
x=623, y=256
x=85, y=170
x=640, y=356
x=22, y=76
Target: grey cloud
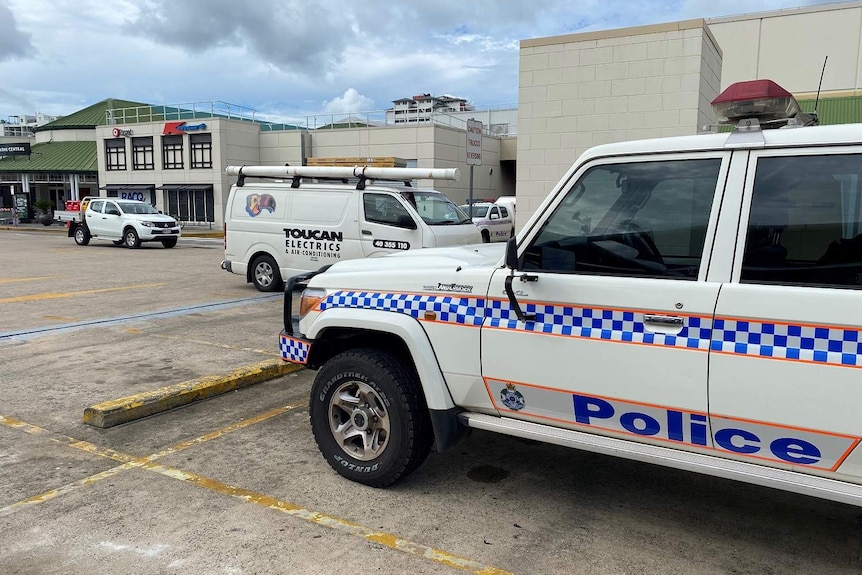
x=13, y=42
x=294, y=36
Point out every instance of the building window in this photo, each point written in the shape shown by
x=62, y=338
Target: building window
x=142, y=154
x=115, y=154
x=172, y=152
x=191, y=203
x=202, y=150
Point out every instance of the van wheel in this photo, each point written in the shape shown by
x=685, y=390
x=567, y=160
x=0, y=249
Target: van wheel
x=265, y=274
x=486, y=237
x=369, y=418
x=131, y=239
x=169, y=242
x=82, y=236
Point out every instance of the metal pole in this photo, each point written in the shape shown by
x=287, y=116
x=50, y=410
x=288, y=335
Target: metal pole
x=470, y=196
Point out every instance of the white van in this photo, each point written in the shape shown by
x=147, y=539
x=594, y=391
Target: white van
x=285, y=226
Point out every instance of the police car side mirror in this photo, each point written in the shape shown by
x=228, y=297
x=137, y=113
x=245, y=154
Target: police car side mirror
x=495, y=217
x=512, y=254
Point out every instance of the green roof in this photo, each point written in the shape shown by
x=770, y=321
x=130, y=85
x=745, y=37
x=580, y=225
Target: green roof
x=846, y=110
x=89, y=117
x=66, y=157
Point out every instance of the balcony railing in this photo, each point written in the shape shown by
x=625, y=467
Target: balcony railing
x=497, y=120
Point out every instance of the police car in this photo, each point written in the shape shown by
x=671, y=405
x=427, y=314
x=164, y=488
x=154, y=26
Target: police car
x=495, y=222
x=692, y=302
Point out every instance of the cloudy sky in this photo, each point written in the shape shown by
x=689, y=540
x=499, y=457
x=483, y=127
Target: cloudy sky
x=293, y=58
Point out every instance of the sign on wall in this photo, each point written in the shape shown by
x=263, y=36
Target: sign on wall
x=474, y=143
x=15, y=149
x=179, y=128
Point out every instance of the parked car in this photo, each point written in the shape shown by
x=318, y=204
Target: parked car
x=496, y=223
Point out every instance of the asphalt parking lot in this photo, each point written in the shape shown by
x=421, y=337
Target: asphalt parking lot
x=234, y=484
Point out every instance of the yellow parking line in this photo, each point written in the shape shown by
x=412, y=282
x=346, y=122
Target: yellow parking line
x=51, y=494
x=130, y=462
x=66, y=440
x=224, y=431
x=344, y=526
x=41, y=296
x=15, y=280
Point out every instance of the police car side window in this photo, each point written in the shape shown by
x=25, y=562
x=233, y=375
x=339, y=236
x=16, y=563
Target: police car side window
x=504, y=212
x=635, y=219
x=805, y=226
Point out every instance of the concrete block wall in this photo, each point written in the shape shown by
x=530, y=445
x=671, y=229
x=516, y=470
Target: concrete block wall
x=582, y=90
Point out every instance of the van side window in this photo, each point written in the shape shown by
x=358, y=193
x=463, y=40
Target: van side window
x=805, y=225
x=638, y=219
x=387, y=210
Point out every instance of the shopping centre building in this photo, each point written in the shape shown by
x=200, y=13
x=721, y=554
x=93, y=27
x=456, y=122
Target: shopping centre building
x=575, y=91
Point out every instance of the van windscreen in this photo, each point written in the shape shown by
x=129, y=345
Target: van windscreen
x=435, y=208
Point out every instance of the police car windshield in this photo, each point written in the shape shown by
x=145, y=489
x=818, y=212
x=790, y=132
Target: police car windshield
x=478, y=211
x=435, y=208
x=132, y=208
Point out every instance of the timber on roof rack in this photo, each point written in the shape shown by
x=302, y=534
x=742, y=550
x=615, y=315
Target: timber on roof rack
x=364, y=173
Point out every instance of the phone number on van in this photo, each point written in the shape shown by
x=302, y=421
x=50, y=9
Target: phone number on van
x=391, y=245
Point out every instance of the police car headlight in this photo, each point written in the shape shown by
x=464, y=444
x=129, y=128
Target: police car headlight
x=311, y=297
x=148, y=224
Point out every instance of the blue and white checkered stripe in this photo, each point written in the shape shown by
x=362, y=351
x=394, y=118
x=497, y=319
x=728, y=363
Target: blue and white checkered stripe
x=837, y=346
x=828, y=345
x=460, y=310
x=603, y=324
x=294, y=350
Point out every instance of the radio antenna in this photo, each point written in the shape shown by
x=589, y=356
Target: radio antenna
x=820, y=85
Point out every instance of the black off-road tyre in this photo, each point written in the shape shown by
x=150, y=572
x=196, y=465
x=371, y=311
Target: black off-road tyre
x=81, y=235
x=368, y=389
x=486, y=237
x=169, y=242
x=265, y=274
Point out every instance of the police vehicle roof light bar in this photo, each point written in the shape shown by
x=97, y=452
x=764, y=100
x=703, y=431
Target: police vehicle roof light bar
x=759, y=102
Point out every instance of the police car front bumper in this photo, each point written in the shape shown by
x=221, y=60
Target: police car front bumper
x=294, y=348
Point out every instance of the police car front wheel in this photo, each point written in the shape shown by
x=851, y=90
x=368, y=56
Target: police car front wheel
x=369, y=418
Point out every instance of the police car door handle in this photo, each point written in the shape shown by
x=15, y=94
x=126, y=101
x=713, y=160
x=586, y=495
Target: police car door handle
x=366, y=233
x=663, y=320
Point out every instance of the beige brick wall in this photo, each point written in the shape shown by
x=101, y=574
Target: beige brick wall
x=582, y=90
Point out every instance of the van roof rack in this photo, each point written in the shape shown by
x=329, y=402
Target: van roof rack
x=364, y=173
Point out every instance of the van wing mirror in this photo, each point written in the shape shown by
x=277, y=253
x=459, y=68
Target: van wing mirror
x=405, y=221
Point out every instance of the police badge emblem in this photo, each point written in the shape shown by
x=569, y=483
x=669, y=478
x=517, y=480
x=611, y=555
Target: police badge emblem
x=512, y=398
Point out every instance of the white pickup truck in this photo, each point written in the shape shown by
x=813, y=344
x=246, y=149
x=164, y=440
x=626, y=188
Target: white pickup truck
x=692, y=302
x=124, y=222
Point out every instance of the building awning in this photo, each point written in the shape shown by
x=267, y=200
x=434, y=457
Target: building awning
x=188, y=187
x=128, y=187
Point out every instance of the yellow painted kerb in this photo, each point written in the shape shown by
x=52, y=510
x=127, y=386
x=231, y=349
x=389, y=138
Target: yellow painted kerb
x=117, y=411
